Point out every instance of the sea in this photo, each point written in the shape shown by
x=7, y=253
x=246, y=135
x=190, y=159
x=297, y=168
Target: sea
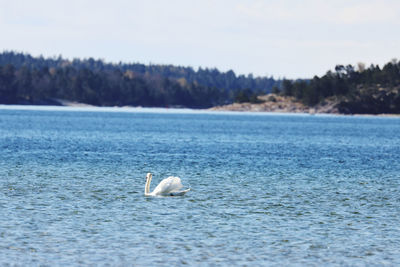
x=266, y=189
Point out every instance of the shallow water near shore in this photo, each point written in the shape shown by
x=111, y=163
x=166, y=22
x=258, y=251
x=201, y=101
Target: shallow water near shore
x=266, y=189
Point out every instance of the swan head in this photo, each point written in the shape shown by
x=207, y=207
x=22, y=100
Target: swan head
x=149, y=176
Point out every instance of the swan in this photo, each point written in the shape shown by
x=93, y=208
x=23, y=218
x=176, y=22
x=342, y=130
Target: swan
x=168, y=187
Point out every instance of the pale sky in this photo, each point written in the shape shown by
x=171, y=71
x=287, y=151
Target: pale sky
x=283, y=38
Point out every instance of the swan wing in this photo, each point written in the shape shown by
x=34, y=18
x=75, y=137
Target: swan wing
x=179, y=193
x=168, y=185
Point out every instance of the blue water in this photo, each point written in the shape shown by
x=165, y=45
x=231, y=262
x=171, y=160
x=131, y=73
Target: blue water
x=266, y=189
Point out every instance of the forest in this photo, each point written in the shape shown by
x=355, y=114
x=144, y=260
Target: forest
x=358, y=90
x=25, y=79
x=36, y=80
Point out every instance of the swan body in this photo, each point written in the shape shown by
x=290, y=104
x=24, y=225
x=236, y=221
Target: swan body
x=170, y=186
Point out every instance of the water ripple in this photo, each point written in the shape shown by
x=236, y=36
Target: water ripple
x=266, y=190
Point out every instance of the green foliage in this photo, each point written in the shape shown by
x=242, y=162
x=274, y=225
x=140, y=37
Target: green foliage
x=28, y=80
x=246, y=95
x=276, y=90
x=206, y=77
x=367, y=90
x=108, y=88
x=287, y=87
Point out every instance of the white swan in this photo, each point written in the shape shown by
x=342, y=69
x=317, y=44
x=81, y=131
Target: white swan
x=168, y=187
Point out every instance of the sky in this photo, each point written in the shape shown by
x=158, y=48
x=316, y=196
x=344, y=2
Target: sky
x=279, y=38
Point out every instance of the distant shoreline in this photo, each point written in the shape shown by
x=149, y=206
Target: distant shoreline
x=228, y=109
x=239, y=110
x=278, y=104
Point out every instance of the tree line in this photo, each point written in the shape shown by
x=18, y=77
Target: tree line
x=105, y=88
x=97, y=82
x=37, y=80
x=358, y=89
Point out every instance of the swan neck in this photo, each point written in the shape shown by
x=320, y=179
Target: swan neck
x=147, y=186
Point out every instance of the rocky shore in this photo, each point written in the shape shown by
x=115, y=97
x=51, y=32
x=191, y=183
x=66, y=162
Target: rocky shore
x=282, y=104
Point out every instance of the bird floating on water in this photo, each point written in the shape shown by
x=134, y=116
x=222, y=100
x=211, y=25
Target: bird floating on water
x=170, y=186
